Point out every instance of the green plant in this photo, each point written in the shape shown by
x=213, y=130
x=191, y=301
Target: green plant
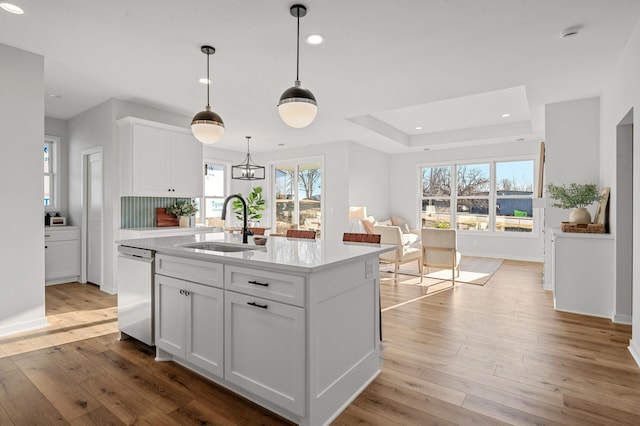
x=576, y=195
x=182, y=208
x=443, y=225
x=255, y=205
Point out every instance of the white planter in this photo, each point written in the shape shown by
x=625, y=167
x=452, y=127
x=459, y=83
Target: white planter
x=183, y=221
x=580, y=215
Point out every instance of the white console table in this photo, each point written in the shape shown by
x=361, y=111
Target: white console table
x=583, y=275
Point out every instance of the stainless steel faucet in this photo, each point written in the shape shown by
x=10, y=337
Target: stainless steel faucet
x=245, y=229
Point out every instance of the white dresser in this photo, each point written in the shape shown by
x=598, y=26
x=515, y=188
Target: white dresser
x=62, y=254
x=582, y=273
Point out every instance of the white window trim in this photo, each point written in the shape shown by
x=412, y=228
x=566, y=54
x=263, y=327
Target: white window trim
x=54, y=158
x=537, y=223
x=227, y=183
x=270, y=187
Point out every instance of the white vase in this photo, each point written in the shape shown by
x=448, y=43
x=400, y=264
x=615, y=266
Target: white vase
x=580, y=215
x=183, y=221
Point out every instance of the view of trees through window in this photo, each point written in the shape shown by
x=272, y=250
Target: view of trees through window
x=507, y=185
x=298, y=201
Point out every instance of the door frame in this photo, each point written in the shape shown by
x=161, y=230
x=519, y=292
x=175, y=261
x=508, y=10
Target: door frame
x=85, y=212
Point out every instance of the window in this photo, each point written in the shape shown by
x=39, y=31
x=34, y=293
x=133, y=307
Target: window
x=298, y=196
x=215, y=191
x=50, y=161
x=507, y=185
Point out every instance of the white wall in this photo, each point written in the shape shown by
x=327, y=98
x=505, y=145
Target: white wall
x=404, y=197
x=572, y=155
x=369, y=180
x=22, y=212
x=618, y=98
x=57, y=127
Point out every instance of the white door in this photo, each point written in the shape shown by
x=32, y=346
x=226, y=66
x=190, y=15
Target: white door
x=94, y=217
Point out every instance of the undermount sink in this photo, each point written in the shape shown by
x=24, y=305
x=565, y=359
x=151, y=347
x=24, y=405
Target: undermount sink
x=227, y=248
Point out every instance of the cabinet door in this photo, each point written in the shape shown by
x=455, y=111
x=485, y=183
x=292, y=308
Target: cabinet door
x=187, y=167
x=204, y=345
x=61, y=259
x=170, y=314
x=150, y=151
x=265, y=349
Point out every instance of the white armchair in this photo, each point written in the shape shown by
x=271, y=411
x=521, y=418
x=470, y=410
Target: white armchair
x=403, y=253
x=439, y=249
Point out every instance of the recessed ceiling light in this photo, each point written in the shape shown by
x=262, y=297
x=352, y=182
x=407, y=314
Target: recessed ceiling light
x=204, y=81
x=55, y=96
x=507, y=115
x=11, y=8
x=418, y=127
x=314, y=39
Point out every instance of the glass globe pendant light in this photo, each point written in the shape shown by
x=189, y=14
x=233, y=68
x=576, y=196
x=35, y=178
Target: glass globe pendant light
x=207, y=126
x=297, y=107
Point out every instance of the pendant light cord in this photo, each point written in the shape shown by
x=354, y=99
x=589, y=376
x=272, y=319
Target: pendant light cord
x=208, y=79
x=298, y=47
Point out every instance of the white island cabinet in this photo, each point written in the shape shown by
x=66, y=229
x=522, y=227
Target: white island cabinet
x=298, y=326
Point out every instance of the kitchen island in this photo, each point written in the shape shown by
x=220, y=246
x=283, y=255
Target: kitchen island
x=292, y=326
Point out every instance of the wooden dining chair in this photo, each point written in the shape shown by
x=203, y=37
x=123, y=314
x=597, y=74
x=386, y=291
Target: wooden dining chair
x=357, y=237
x=301, y=233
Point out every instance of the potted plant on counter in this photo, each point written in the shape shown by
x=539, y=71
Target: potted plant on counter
x=183, y=209
x=575, y=197
x=255, y=206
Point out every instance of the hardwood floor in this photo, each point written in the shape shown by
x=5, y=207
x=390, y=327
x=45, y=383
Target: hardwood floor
x=488, y=355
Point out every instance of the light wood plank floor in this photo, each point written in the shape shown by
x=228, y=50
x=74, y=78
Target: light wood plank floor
x=488, y=355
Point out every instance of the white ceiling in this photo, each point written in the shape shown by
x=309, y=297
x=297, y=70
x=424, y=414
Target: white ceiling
x=452, y=67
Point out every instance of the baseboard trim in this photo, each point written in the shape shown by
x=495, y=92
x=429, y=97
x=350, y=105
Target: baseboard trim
x=23, y=326
x=634, y=349
x=622, y=319
x=505, y=257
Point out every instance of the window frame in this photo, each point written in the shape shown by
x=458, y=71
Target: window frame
x=492, y=196
x=296, y=162
x=54, y=175
x=201, y=220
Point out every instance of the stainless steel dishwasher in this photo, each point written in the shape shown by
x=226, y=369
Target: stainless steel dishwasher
x=135, y=293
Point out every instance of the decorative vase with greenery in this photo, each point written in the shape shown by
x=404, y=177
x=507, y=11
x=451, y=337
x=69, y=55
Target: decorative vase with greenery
x=183, y=209
x=575, y=197
x=255, y=205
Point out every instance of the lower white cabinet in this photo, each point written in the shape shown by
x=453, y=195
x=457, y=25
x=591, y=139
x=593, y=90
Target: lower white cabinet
x=189, y=322
x=61, y=254
x=265, y=349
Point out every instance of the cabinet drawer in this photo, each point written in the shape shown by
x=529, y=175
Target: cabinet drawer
x=208, y=273
x=61, y=235
x=269, y=285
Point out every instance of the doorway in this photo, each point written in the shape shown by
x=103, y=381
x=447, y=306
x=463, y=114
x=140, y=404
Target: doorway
x=92, y=217
x=624, y=220
x=297, y=195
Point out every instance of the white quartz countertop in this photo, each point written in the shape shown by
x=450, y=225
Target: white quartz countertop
x=280, y=253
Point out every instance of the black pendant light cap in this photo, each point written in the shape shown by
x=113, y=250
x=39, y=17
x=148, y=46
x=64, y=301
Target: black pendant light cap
x=207, y=117
x=208, y=50
x=297, y=93
x=298, y=10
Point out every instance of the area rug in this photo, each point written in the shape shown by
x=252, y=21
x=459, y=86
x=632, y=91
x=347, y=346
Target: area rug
x=473, y=270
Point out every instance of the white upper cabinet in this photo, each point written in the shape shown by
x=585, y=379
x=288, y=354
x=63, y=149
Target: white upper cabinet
x=158, y=160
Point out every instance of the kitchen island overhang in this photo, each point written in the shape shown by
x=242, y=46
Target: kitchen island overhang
x=297, y=321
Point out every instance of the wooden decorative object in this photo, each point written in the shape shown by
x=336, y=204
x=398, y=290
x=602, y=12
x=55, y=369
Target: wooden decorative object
x=164, y=219
x=356, y=237
x=588, y=228
x=301, y=233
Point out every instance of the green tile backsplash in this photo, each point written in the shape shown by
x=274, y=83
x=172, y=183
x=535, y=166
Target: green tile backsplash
x=140, y=212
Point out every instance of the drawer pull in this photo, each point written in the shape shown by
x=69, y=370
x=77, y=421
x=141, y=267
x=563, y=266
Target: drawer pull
x=257, y=305
x=181, y=291
x=259, y=283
